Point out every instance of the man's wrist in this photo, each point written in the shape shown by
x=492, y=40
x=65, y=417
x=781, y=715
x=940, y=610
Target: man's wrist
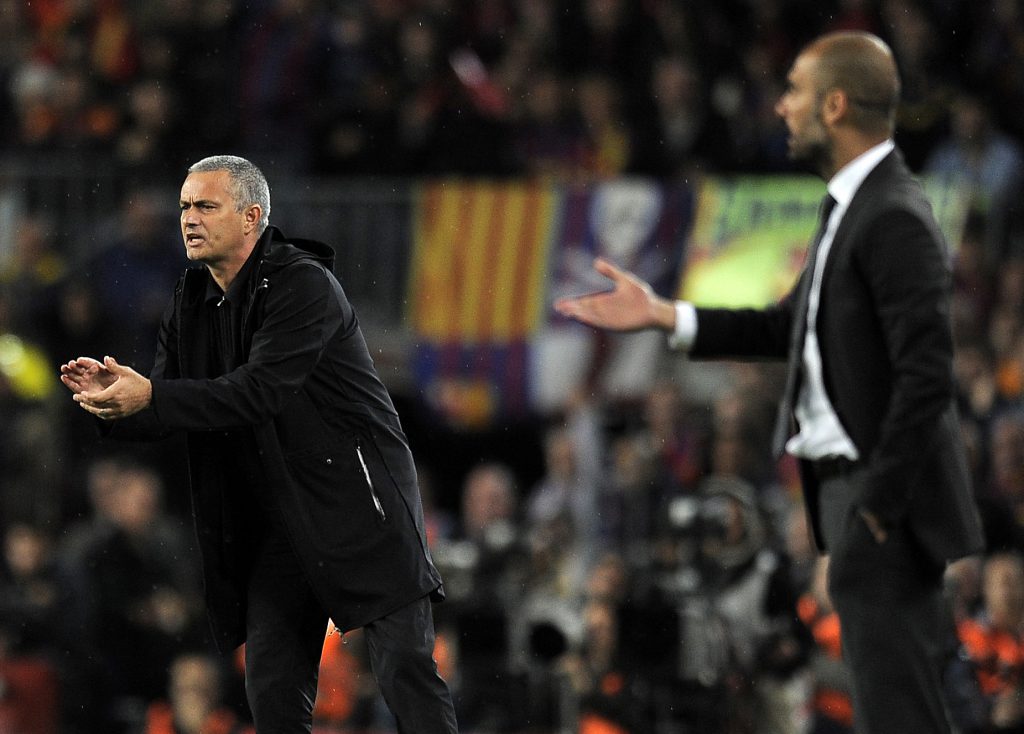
x=664, y=314
x=684, y=325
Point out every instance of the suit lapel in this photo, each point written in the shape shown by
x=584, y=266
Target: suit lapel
x=867, y=192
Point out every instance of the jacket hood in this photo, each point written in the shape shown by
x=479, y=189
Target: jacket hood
x=280, y=250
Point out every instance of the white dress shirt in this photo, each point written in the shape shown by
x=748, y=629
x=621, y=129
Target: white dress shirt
x=821, y=434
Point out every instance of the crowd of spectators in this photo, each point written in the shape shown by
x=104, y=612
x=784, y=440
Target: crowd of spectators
x=628, y=566
x=488, y=87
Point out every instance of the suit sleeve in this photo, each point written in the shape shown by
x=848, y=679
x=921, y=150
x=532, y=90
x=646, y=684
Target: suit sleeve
x=744, y=333
x=303, y=309
x=904, y=262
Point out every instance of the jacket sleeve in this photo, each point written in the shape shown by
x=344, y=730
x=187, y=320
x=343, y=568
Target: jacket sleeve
x=303, y=309
x=744, y=333
x=144, y=425
x=904, y=262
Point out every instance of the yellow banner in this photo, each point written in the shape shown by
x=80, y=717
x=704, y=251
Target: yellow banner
x=750, y=236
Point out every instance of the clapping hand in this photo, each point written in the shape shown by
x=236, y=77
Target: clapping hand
x=106, y=389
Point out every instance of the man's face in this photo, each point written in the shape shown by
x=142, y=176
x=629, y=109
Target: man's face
x=212, y=228
x=800, y=108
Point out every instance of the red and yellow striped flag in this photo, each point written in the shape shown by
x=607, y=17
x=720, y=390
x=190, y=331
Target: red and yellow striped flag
x=480, y=260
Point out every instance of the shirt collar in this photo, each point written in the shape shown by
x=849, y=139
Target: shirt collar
x=845, y=183
x=237, y=288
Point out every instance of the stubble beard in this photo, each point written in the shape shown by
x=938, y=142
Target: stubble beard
x=813, y=152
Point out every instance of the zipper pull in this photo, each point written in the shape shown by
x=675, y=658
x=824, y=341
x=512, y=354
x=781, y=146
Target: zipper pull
x=369, y=483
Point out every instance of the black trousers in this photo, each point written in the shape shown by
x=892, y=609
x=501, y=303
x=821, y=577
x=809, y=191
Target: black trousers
x=285, y=635
x=895, y=622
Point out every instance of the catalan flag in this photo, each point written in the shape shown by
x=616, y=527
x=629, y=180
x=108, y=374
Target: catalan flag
x=477, y=288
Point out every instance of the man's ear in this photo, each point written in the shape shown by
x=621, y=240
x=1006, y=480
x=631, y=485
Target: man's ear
x=834, y=106
x=252, y=217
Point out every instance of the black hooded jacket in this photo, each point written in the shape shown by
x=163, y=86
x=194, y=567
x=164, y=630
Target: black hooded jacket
x=328, y=444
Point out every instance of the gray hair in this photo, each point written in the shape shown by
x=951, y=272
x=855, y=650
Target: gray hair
x=248, y=184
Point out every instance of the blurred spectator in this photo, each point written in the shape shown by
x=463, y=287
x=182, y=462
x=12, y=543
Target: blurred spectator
x=976, y=154
x=194, y=703
x=973, y=278
x=420, y=92
x=531, y=46
x=204, y=78
x=994, y=643
x=570, y=487
x=489, y=504
x=29, y=609
x=651, y=466
x=31, y=270
x=548, y=142
x=924, y=75
x=29, y=444
x=1005, y=232
x=282, y=76
x=135, y=271
x=739, y=440
x=1007, y=462
x=14, y=43
x=832, y=706
x=856, y=15
x=74, y=323
x=610, y=40
x=482, y=569
x=675, y=437
x=684, y=134
x=963, y=586
x=746, y=590
x=995, y=57
x=31, y=693
x=635, y=505
x=602, y=694
x=150, y=136
x=440, y=524
x=361, y=122
x=608, y=139
x=137, y=598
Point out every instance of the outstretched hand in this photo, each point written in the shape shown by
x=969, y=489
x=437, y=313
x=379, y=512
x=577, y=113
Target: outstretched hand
x=106, y=389
x=631, y=305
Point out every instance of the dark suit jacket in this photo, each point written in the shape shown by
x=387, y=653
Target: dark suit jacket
x=884, y=330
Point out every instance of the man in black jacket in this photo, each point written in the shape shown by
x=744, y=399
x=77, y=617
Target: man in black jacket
x=303, y=487
x=870, y=390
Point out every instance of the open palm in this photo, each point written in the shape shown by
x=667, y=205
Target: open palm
x=631, y=305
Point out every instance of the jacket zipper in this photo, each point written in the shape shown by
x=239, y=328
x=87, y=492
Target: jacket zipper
x=369, y=483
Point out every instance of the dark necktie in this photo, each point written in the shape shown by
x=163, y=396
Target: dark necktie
x=784, y=418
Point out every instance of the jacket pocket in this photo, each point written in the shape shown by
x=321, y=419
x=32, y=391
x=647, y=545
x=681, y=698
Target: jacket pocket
x=340, y=484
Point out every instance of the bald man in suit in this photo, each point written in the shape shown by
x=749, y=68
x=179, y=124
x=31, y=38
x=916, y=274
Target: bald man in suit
x=869, y=403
